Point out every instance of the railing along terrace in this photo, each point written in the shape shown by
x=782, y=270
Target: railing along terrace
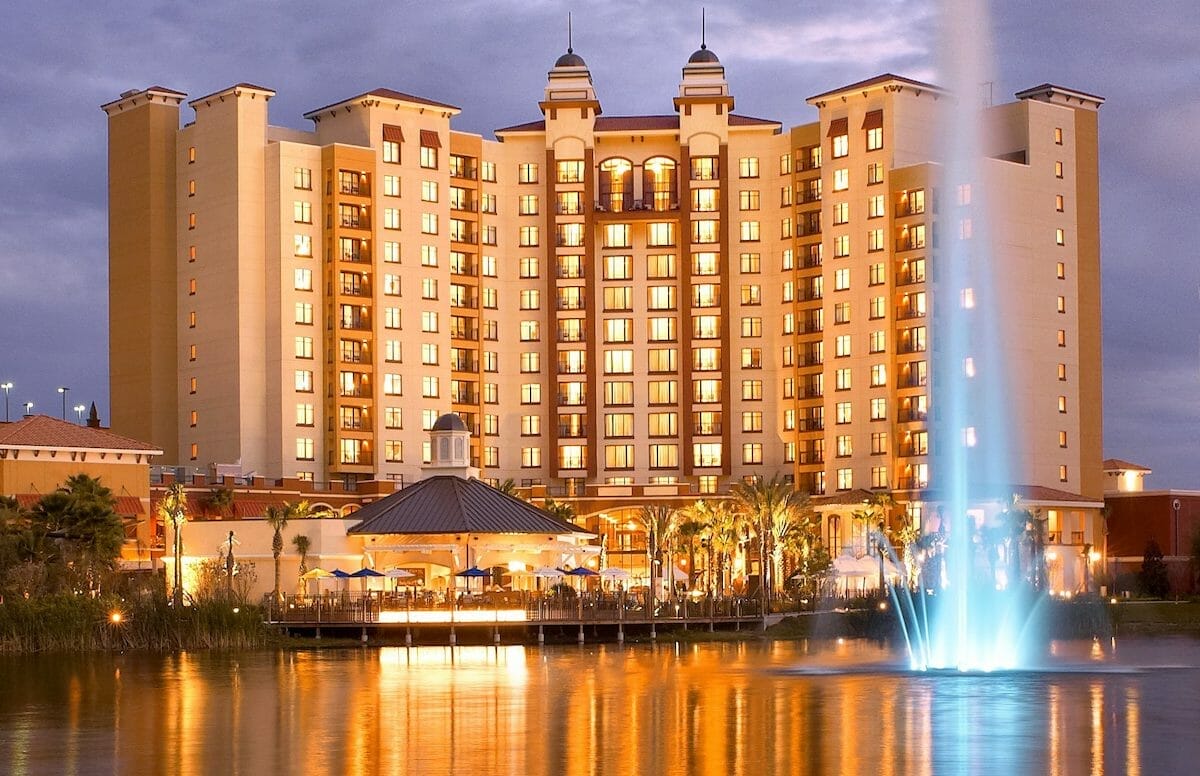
x=429, y=607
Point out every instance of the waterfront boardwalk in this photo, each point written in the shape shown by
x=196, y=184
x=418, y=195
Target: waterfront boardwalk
x=429, y=618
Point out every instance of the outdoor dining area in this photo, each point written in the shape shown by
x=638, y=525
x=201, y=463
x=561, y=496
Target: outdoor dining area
x=545, y=594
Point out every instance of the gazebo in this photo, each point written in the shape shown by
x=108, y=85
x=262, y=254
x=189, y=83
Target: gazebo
x=450, y=522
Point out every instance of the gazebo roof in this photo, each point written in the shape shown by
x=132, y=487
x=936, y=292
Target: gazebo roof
x=445, y=504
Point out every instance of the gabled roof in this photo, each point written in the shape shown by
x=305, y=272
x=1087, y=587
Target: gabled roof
x=43, y=431
x=445, y=504
x=126, y=506
x=1116, y=464
x=387, y=94
x=641, y=123
x=876, y=81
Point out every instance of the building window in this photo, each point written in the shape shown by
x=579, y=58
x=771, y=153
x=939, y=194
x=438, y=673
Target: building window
x=1060, y=237
x=748, y=167
x=1058, y=169
x=879, y=409
x=429, y=155
x=1062, y=473
x=748, y=199
x=845, y=479
x=705, y=168
x=391, y=150
x=303, y=381
x=841, y=146
x=874, y=138
x=531, y=393
x=304, y=347
x=874, y=173
x=750, y=263
x=841, y=179
x=843, y=413
x=429, y=191
x=529, y=236
x=750, y=231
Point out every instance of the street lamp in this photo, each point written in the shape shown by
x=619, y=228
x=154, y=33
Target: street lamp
x=79, y=410
x=63, y=390
x=7, y=387
x=28, y=408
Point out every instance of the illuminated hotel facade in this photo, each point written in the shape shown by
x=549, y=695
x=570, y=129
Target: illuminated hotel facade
x=621, y=308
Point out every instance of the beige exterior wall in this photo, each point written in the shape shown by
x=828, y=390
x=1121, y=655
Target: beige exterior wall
x=143, y=373
x=485, y=288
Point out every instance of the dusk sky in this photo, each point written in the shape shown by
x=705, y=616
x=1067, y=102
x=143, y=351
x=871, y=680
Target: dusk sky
x=61, y=60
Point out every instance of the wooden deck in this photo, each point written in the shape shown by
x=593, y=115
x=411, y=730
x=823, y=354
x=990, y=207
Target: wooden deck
x=512, y=617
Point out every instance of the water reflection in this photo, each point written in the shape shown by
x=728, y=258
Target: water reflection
x=727, y=709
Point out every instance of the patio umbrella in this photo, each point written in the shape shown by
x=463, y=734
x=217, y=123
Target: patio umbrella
x=340, y=574
x=366, y=573
x=582, y=571
x=614, y=573
x=398, y=574
x=547, y=572
x=317, y=573
x=473, y=573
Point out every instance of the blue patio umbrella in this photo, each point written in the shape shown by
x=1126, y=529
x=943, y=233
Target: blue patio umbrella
x=474, y=572
x=580, y=571
x=365, y=573
x=340, y=574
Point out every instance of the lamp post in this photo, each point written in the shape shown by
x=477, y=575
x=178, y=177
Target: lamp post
x=63, y=390
x=28, y=408
x=79, y=410
x=7, y=387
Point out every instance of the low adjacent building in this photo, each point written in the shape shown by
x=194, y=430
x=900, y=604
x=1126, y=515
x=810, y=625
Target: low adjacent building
x=1136, y=516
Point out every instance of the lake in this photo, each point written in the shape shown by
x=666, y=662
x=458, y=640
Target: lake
x=1126, y=706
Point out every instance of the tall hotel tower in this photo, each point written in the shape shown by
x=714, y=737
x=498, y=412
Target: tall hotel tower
x=618, y=307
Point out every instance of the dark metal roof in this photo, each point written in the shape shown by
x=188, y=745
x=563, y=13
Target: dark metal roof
x=449, y=422
x=702, y=55
x=1111, y=464
x=570, y=59
x=446, y=504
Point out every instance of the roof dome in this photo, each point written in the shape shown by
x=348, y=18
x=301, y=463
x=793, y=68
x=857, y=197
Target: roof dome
x=570, y=59
x=449, y=422
x=703, y=55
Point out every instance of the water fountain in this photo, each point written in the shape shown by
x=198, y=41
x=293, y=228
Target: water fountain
x=968, y=610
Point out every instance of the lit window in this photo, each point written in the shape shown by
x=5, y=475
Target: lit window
x=841, y=179
x=748, y=199
x=845, y=479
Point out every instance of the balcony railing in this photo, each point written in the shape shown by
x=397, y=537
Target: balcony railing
x=907, y=312
x=707, y=429
x=911, y=483
x=810, y=424
x=912, y=416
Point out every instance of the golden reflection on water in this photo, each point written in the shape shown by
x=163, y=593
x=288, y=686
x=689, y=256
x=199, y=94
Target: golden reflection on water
x=728, y=709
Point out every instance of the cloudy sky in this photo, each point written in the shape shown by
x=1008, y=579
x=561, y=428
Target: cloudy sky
x=61, y=60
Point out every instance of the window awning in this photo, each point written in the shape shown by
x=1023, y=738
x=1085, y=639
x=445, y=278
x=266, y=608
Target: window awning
x=392, y=134
x=838, y=127
x=873, y=120
x=429, y=139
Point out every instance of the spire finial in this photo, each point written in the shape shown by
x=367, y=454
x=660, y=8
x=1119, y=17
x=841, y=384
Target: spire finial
x=703, y=44
x=570, y=49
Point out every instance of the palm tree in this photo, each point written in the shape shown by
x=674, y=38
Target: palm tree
x=659, y=521
x=560, y=509
x=686, y=533
x=277, y=518
x=302, y=544
x=509, y=488
x=725, y=529
x=172, y=510
x=792, y=533
x=876, y=515
x=767, y=505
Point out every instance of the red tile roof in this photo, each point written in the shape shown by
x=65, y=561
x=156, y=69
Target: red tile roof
x=127, y=506
x=879, y=79
x=635, y=123
x=387, y=94
x=1116, y=464
x=47, y=432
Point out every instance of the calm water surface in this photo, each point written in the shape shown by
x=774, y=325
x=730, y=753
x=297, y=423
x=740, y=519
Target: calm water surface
x=782, y=708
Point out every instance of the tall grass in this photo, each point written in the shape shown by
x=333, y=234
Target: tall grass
x=70, y=623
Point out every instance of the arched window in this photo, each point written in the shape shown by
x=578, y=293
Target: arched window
x=834, y=535
x=616, y=185
x=659, y=188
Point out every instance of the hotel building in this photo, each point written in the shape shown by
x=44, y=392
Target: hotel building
x=620, y=308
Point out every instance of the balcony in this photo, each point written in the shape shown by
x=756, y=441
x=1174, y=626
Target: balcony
x=356, y=323
x=907, y=312
x=362, y=356
x=708, y=429
x=361, y=256
x=911, y=483
x=464, y=206
x=910, y=243
x=570, y=336
x=355, y=392
x=636, y=208
x=362, y=459
x=464, y=365
x=910, y=450
x=912, y=416
x=464, y=236
x=468, y=268
x=811, y=391
x=355, y=289
x=465, y=333
x=465, y=301
x=572, y=304
x=810, y=424
x=571, y=400
x=464, y=396
x=571, y=431
x=464, y=171
x=909, y=278
x=810, y=457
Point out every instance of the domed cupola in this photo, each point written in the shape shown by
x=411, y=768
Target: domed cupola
x=704, y=79
x=450, y=448
x=569, y=85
